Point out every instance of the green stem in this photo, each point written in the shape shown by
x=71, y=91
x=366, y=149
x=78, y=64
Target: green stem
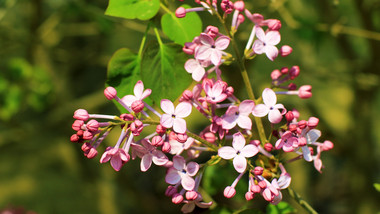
x=203, y=141
x=143, y=40
x=301, y=201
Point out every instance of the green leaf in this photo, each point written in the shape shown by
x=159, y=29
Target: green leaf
x=162, y=70
x=280, y=208
x=181, y=30
x=123, y=72
x=132, y=9
x=377, y=186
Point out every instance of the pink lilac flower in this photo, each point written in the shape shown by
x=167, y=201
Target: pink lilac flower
x=238, y=115
x=139, y=92
x=196, y=68
x=190, y=205
x=177, y=148
x=215, y=92
x=269, y=107
x=149, y=154
x=117, y=156
x=174, y=117
x=266, y=43
x=182, y=173
x=239, y=152
x=210, y=49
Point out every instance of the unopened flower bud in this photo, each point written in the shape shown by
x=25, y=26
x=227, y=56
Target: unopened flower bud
x=87, y=135
x=212, y=31
x=249, y=196
x=177, y=198
x=292, y=127
x=255, y=188
x=312, y=122
x=268, y=147
x=157, y=141
x=209, y=136
x=160, y=129
x=240, y=19
x=262, y=184
x=302, y=124
x=296, y=114
x=294, y=72
x=170, y=191
x=191, y=195
x=91, y=153
x=136, y=127
x=127, y=117
x=172, y=136
x=92, y=125
x=137, y=106
x=80, y=133
x=180, y=12
x=166, y=147
x=81, y=114
x=302, y=141
x=285, y=50
x=255, y=142
x=229, y=192
x=189, y=48
x=86, y=146
x=311, y=150
x=284, y=70
x=227, y=6
x=289, y=116
x=229, y=91
x=275, y=74
x=74, y=138
x=110, y=93
x=77, y=125
x=304, y=92
x=187, y=95
x=292, y=87
x=327, y=145
x=181, y=137
x=274, y=24
x=239, y=5
x=258, y=170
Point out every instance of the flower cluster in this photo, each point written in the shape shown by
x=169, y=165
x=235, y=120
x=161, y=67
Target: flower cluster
x=228, y=136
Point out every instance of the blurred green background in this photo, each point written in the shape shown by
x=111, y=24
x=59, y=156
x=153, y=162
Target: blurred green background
x=53, y=60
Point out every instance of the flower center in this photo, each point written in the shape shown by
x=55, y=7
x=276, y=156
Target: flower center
x=173, y=115
x=212, y=46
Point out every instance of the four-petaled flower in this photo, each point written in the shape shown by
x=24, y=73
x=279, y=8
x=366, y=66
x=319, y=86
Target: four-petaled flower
x=239, y=152
x=139, y=92
x=215, y=92
x=238, y=115
x=265, y=43
x=211, y=50
x=174, y=117
x=149, y=154
x=182, y=173
x=196, y=68
x=269, y=107
x=117, y=156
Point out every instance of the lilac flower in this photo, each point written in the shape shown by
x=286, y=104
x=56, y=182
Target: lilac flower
x=190, y=205
x=149, y=154
x=117, y=156
x=238, y=152
x=174, y=117
x=266, y=43
x=182, y=173
x=139, y=92
x=215, y=93
x=269, y=107
x=210, y=49
x=238, y=115
x=196, y=68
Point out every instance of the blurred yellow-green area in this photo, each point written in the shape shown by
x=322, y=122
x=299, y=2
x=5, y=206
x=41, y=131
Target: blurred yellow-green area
x=53, y=60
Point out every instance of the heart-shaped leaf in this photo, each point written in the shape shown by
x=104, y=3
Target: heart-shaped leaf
x=162, y=70
x=133, y=9
x=181, y=30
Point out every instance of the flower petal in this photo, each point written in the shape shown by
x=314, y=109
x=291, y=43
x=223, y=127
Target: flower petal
x=205, y=39
x=192, y=168
x=129, y=99
x=260, y=34
x=167, y=106
x=269, y=97
x=227, y=152
x=183, y=109
x=188, y=208
x=116, y=162
x=238, y=141
x=166, y=120
x=179, y=162
x=244, y=122
x=272, y=37
x=146, y=93
x=179, y=125
x=246, y=107
x=146, y=162
x=187, y=182
x=159, y=158
x=249, y=151
x=240, y=163
x=260, y=110
x=281, y=108
x=313, y=135
x=138, y=89
x=306, y=154
x=203, y=52
x=172, y=176
x=258, y=47
x=222, y=42
x=271, y=52
x=215, y=56
x=274, y=116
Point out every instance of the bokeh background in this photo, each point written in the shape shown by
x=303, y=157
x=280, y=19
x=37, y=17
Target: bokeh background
x=53, y=60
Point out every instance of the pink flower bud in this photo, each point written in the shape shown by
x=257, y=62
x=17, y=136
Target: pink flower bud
x=312, y=122
x=296, y=114
x=80, y=133
x=285, y=50
x=110, y=93
x=81, y=114
x=170, y=191
x=275, y=74
x=92, y=125
x=187, y=95
x=229, y=91
x=240, y=19
x=127, y=117
x=180, y=12
x=302, y=141
x=212, y=31
x=160, y=129
x=166, y=147
x=91, y=153
x=292, y=87
x=311, y=150
x=294, y=72
x=136, y=127
x=239, y=5
x=249, y=196
x=191, y=195
x=255, y=142
x=258, y=170
x=87, y=135
x=284, y=70
x=257, y=18
x=262, y=184
x=77, y=125
x=209, y=136
x=327, y=145
x=302, y=124
x=289, y=116
x=74, y=138
x=137, y=106
x=292, y=127
x=86, y=146
x=304, y=92
x=181, y=138
x=227, y=6
x=172, y=136
x=255, y=188
x=157, y=141
x=273, y=24
x=268, y=147
x=189, y=48
x=229, y=192
x=177, y=198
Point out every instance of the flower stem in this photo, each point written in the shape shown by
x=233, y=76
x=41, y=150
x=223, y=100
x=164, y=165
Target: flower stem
x=301, y=201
